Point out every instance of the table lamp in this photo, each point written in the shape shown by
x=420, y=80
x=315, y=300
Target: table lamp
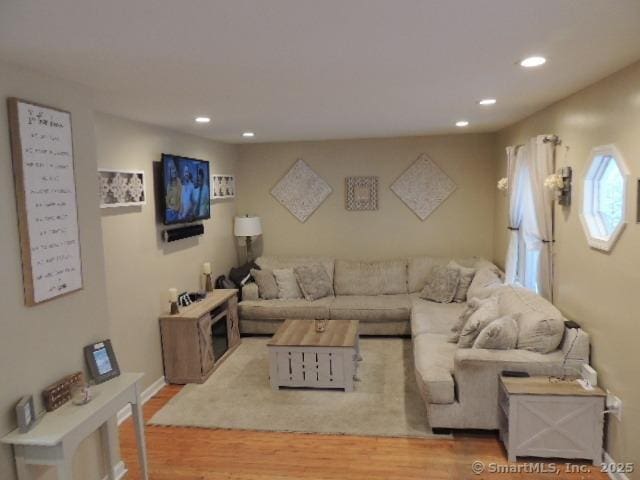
x=248, y=227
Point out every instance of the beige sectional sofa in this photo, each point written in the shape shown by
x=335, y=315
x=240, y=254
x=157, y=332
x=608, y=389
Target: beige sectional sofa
x=459, y=386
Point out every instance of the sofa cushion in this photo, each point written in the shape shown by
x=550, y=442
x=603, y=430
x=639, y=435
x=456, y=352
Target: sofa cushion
x=378, y=308
x=280, y=309
x=287, y=284
x=267, y=286
x=419, y=269
x=486, y=312
x=500, y=334
x=314, y=281
x=433, y=317
x=466, y=277
x=441, y=285
x=485, y=282
x=370, y=278
x=272, y=262
x=434, y=358
x=540, y=326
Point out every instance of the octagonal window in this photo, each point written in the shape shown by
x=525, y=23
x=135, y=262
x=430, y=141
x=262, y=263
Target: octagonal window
x=605, y=191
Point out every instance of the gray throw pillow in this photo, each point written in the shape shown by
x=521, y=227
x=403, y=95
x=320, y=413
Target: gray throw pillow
x=486, y=313
x=466, y=277
x=500, y=334
x=314, y=281
x=472, y=306
x=485, y=282
x=441, y=285
x=287, y=283
x=267, y=286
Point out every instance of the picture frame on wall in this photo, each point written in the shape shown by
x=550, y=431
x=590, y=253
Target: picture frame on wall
x=122, y=188
x=223, y=186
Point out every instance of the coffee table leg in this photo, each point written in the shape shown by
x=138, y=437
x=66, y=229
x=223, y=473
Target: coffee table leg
x=273, y=369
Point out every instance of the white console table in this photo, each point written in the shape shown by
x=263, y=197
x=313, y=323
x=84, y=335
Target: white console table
x=55, y=438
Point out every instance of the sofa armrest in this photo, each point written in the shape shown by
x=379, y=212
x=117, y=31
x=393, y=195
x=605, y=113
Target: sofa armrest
x=250, y=292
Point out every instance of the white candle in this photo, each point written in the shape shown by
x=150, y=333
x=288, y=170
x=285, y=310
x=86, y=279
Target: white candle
x=173, y=295
x=206, y=268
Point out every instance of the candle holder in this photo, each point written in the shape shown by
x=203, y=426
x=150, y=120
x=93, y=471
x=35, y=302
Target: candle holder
x=320, y=325
x=174, y=308
x=208, y=282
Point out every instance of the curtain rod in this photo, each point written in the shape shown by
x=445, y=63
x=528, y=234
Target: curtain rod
x=553, y=139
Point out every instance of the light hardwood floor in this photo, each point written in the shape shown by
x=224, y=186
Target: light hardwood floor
x=204, y=454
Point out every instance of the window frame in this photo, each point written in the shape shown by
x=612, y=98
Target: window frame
x=591, y=219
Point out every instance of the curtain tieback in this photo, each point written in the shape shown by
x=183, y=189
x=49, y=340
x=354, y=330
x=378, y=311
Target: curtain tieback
x=548, y=241
x=513, y=229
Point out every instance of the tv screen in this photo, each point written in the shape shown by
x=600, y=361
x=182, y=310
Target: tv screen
x=185, y=189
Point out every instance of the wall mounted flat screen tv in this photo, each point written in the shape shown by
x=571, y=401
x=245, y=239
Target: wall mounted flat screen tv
x=185, y=191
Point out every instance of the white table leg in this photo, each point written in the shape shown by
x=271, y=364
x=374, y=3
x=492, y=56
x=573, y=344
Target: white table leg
x=138, y=422
x=273, y=369
x=109, y=436
x=22, y=468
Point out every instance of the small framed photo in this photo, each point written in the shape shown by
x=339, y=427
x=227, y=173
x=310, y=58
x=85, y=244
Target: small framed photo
x=101, y=361
x=26, y=414
x=184, y=300
x=223, y=186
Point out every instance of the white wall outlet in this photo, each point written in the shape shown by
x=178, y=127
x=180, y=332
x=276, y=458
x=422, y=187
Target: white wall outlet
x=589, y=375
x=614, y=405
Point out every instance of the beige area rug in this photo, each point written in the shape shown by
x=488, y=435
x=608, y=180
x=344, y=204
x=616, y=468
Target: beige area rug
x=238, y=395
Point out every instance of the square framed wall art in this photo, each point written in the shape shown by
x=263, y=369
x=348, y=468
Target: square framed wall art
x=122, y=188
x=223, y=186
x=361, y=193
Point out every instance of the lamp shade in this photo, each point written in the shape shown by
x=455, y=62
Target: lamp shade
x=247, y=227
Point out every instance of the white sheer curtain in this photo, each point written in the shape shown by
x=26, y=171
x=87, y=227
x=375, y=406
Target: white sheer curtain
x=538, y=215
x=515, y=164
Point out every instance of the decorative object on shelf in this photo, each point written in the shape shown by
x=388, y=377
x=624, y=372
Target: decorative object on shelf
x=81, y=393
x=42, y=152
x=121, y=188
x=561, y=183
x=173, y=300
x=184, y=299
x=361, y=193
x=320, y=325
x=59, y=393
x=101, y=361
x=423, y=187
x=208, y=282
x=224, y=186
x=26, y=414
x=301, y=191
x=248, y=227
x=503, y=184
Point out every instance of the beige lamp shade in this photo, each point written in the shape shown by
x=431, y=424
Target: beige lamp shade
x=247, y=227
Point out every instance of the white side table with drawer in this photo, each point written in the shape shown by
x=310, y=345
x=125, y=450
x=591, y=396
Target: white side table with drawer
x=543, y=417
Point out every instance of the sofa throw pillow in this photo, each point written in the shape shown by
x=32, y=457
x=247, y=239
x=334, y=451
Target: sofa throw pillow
x=314, y=281
x=288, y=288
x=472, y=306
x=267, y=286
x=441, y=285
x=538, y=332
x=486, y=313
x=500, y=334
x=466, y=277
x=485, y=282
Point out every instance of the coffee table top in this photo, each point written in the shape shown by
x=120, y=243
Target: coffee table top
x=302, y=333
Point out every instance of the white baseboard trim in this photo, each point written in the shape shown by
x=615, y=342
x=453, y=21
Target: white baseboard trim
x=608, y=460
x=149, y=392
x=119, y=471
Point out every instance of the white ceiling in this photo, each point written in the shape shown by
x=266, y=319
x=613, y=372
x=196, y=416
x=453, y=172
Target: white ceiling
x=319, y=69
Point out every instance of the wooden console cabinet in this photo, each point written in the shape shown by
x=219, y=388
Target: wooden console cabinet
x=188, y=346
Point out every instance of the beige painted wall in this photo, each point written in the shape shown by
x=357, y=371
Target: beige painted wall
x=140, y=267
x=39, y=345
x=596, y=289
x=463, y=225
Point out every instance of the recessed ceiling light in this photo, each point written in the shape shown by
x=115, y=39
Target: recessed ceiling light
x=534, y=61
x=248, y=134
x=462, y=123
x=203, y=119
x=487, y=101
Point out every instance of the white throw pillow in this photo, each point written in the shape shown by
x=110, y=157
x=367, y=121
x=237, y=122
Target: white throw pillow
x=500, y=334
x=486, y=313
x=485, y=282
x=466, y=277
x=288, y=288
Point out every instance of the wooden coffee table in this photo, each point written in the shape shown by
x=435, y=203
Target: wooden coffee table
x=301, y=357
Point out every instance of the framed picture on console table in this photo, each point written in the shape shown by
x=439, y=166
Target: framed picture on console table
x=42, y=153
